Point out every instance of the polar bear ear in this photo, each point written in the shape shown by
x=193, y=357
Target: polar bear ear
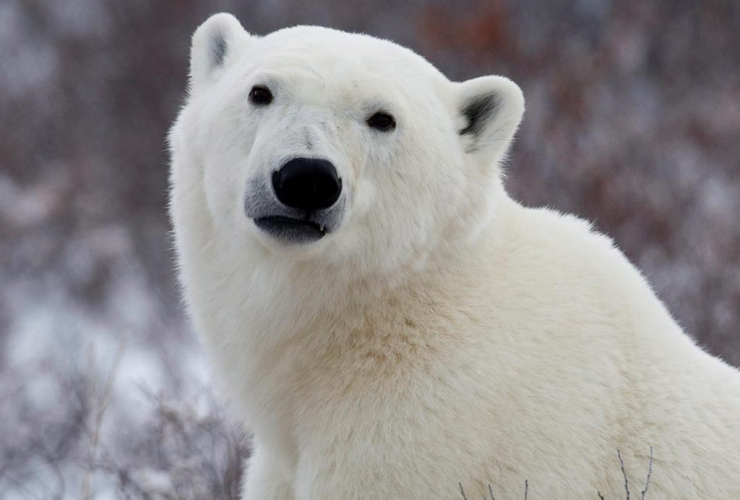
x=216, y=43
x=490, y=108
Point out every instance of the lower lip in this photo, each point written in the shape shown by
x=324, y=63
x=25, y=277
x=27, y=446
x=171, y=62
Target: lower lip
x=290, y=230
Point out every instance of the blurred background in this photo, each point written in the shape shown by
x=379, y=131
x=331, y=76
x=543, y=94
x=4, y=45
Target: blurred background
x=632, y=122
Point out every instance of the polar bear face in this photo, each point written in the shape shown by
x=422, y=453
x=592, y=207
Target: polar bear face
x=321, y=145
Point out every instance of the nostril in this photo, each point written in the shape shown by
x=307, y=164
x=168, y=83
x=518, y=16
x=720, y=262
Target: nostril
x=307, y=184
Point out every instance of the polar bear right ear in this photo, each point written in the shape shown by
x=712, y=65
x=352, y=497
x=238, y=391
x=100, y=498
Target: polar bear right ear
x=216, y=43
x=490, y=109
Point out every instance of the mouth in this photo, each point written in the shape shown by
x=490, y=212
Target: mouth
x=291, y=230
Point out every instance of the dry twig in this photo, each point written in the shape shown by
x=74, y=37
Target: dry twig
x=650, y=473
x=102, y=401
x=624, y=473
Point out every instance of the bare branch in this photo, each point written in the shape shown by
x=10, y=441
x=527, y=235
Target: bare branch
x=462, y=491
x=102, y=401
x=650, y=473
x=624, y=473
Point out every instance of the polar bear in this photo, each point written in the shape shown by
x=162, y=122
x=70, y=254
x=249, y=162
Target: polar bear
x=388, y=322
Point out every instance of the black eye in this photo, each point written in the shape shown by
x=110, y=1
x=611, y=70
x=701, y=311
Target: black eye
x=382, y=121
x=260, y=95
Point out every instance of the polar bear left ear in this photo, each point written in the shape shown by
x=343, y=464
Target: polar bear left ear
x=490, y=109
x=216, y=43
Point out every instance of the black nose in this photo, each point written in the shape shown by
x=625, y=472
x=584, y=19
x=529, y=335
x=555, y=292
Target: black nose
x=307, y=184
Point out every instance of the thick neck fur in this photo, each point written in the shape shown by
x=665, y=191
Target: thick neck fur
x=365, y=328
x=278, y=319
x=305, y=301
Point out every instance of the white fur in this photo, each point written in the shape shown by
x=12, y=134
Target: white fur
x=443, y=334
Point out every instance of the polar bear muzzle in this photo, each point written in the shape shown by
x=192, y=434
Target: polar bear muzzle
x=301, y=202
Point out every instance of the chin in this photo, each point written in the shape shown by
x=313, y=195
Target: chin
x=288, y=239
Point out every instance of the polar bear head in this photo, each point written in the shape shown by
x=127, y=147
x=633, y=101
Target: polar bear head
x=316, y=144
